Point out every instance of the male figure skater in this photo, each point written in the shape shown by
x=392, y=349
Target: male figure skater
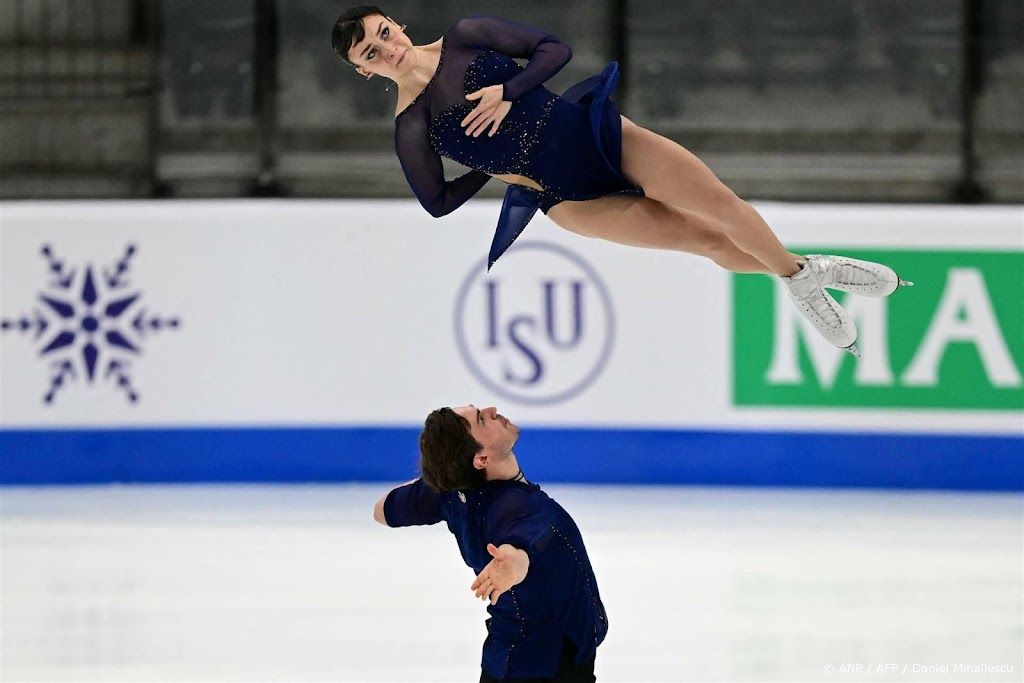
x=546, y=613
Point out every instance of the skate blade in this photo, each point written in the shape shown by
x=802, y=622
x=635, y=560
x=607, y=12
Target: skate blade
x=852, y=350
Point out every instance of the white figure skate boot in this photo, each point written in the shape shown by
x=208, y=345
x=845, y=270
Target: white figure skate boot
x=824, y=312
x=855, y=276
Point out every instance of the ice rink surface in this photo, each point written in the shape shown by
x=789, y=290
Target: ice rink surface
x=296, y=583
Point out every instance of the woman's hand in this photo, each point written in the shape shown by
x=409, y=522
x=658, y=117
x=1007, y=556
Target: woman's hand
x=490, y=111
x=508, y=568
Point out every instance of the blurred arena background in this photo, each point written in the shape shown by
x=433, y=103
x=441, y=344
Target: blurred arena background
x=223, y=317
x=917, y=100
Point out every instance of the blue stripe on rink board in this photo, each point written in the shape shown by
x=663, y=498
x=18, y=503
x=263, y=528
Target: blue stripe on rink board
x=606, y=456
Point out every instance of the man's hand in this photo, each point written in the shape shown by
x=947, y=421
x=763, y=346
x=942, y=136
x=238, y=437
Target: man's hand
x=378, y=511
x=507, y=569
x=490, y=111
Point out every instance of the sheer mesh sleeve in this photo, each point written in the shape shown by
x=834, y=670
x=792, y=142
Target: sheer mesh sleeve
x=547, y=54
x=423, y=169
x=412, y=504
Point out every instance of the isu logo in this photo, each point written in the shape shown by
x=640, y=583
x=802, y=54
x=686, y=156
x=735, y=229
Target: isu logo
x=539, y=332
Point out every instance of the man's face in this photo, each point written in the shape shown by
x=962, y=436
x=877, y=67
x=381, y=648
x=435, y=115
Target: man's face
x=491, y=430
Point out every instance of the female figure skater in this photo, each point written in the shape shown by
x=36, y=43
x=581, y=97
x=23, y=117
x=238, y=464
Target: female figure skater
x=573, y=156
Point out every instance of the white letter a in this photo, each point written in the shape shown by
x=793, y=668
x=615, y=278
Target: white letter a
x=966, y=292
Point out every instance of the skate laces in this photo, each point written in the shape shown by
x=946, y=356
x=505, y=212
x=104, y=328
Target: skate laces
x=841, y=272
x=810, y=290
x=849, y=273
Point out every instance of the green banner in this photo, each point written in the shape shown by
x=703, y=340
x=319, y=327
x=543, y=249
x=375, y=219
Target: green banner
x=954, y=340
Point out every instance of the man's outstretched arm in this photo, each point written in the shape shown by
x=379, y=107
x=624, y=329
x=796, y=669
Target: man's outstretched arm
x=508, y=568
x=378, y=507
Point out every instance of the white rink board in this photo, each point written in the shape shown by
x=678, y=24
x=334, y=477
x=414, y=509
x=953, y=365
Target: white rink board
x=343, y=313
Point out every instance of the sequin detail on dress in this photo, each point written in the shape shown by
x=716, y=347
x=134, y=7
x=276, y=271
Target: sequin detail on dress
x=511, y=148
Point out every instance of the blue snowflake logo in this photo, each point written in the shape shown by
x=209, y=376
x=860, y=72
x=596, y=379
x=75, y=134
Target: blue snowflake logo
x=97, y=324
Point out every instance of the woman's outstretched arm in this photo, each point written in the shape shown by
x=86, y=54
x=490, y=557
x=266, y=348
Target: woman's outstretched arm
x=424, y=172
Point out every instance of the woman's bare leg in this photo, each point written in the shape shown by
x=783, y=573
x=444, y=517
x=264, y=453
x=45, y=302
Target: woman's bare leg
x=646, y=222
x=669, y=173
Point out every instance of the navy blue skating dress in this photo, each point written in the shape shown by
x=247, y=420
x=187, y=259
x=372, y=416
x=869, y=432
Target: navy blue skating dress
x=570, y=144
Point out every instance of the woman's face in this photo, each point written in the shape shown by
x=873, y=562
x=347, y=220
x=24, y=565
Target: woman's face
x=385, y=50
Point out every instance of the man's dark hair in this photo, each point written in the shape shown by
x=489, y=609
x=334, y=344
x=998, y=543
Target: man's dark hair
x=348, y=29
x=446, y=453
